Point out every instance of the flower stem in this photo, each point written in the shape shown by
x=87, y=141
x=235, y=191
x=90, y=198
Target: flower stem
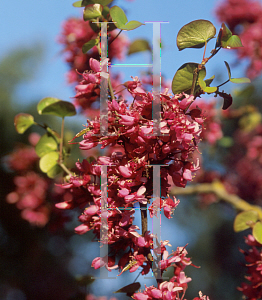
x=61, y=141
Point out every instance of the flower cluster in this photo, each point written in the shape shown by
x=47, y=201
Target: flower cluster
x=253, y=257
x=245, y=18
x=76, y=32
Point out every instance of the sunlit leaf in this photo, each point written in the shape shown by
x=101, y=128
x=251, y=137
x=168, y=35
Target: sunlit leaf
x=226, y=39
x=195, y=34
x=46, y=144
x=240, y=80
x=54, y=171
x=245, y=219
x=138, y=45
x=54, y=106
x=232, y=43
x=93, y=11
x=48, y=161
x=119, y=16
x=23, y=121
x=257, y=232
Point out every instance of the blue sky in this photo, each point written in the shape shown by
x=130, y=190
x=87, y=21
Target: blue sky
x=26, y=23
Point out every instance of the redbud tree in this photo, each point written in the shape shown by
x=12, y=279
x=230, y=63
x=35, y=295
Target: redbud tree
x=144, y=151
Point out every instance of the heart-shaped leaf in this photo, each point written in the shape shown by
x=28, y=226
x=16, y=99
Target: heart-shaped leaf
x=48, y=161
x=257, y=232
x=118, y=15
x=46, y=144
x=54, y=106
x=245, y=219
x=138, y=45
x=92, y=11
x=89, y=45
x=232, y=43
x=226, y=39
x=195, y=34
x=183, y=79
x=23, y=121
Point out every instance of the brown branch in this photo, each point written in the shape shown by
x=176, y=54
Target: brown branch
x=219, y=190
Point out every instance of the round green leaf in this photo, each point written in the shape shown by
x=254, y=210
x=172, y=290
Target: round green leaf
x=53, y=172
x=244, y=220
x=89, y=45
x=54, y=106
x=23, y=121
x=183, y=79
x=93, y=11
x=195, y=34
x=257, y=232
x=138, y=45
x=45, y=145
x=48, y=161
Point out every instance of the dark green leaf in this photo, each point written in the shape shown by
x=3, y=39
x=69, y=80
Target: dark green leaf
x=119, y=16
x=102, y=2
x=138, y=45
x=257, y=232
x=54, y=106
x=23, y=121
x=46, y=144
x=129, y=289
x=183, y=79
x=195, y=34
x=89, y=45
x=48, y=161
x=245, y=219
x=93, y=11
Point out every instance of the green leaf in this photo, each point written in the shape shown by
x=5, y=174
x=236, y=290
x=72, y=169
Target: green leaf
x=118, y=15
x=244, y=220
x=78, y=4
x=240, y=80
x=53, y=172
x=46, y=144
x=236, y=80
x=48, y=161
x=102, y=2
x=54, y=106
x=226, y=39
x=23, y=121
x=257, y=232
x=183, y=79
x=89, y=45
x=138, y=45
x=232, y=43
x=84, y=280
x=93, y=11
x=195, y=34
x=203, y=83
x=129, y=289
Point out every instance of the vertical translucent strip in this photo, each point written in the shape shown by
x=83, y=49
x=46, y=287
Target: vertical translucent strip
x=104, y=82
